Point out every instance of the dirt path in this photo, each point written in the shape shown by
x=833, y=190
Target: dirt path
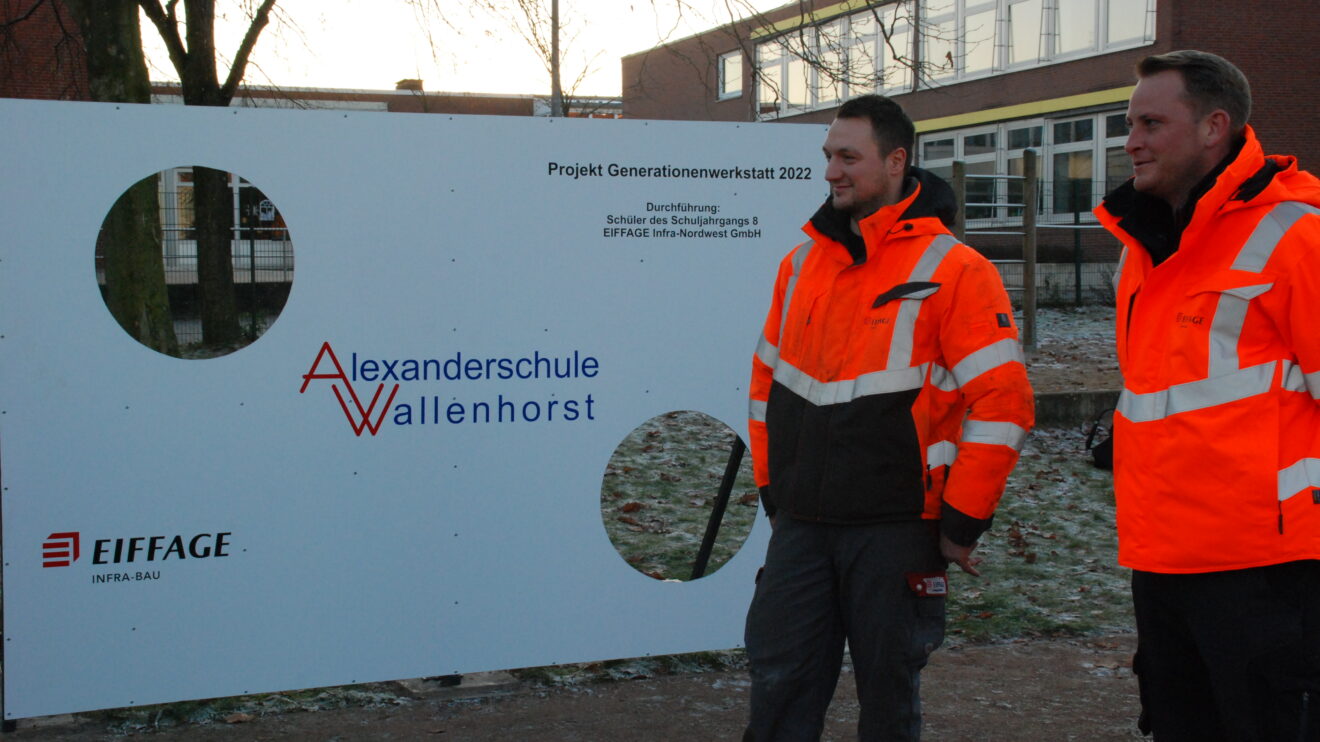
x=1037, y=691
x=1074, y=350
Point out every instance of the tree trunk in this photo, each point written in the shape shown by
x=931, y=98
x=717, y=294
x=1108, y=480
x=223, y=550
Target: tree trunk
x=194, y=58
x=130, y=237
x=213, y=209
x=134, y=273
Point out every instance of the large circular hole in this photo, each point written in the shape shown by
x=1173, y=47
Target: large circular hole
x=194, y=262
x=661, y=494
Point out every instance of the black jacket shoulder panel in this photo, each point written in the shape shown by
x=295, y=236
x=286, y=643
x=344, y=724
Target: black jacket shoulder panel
x=936, y=198
x=837, y=226
x=1258, y=182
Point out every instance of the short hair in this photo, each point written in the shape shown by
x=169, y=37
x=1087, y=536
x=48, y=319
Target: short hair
x=890, y=124
x=1211, y=82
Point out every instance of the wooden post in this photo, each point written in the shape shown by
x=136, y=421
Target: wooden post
x=1029, y=198
x=960, y=194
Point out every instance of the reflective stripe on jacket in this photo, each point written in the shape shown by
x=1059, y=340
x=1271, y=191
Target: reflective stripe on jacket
x=1217, y=433
x=874, y=351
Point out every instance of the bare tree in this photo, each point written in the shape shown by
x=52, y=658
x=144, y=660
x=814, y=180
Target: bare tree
x=129, y=242
x=829, y=50
x=57, y=51
x=110, y=38
x=190, y=41
x=540, y=24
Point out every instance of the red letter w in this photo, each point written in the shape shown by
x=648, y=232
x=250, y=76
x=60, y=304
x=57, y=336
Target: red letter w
x=363, y=419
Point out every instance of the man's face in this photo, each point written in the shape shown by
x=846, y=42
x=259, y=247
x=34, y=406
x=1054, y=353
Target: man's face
x=861, y=178
x=1167, y=141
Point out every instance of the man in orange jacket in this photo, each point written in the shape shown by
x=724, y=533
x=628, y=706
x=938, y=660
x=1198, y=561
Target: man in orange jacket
x=1217, y=432
x=888, y=405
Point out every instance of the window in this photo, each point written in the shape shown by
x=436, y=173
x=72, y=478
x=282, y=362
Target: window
x=1116, y=125
x=862, y=53
x=981, y=190
x=1129, y=21
x=1118, y=165
x=938, y=46
x=937, y=149
x=1024, y=32
x=769, y=60
x=1077, y=167
x=896, y=51
x=979, y=144
x=1023, y=137
x=731, y=76
x=1075, y=26
x=1072, y=176
x=978, y=149
x=873, y=50
x=849, y=56
x=831, y=73
x=979, y=42
x=979, y=152
x=1069, y=132
x=1073, y=165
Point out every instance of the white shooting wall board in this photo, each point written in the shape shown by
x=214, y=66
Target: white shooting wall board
x=425, y=547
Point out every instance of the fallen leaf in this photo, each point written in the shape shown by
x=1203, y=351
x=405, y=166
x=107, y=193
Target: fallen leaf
x=630, y=507
x=239, y=718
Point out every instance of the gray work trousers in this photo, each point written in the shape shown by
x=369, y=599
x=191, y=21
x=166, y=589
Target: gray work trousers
x=824, y=584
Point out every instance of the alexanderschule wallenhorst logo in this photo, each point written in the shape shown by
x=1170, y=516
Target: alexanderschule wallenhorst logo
x=568, y=368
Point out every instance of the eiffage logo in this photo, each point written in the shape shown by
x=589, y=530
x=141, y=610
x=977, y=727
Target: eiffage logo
x=60, y=549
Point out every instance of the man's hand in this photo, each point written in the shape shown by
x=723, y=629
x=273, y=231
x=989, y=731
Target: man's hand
x=960, y=555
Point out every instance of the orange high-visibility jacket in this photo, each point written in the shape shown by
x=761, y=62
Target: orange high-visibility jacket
x=1217, y=433
x=888, y=383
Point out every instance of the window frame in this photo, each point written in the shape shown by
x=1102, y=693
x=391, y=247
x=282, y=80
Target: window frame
x=1098, y=147
x=807, y=40
x=722, y=91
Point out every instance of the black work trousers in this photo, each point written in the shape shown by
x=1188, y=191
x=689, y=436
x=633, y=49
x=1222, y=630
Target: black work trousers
x=1231, y=656
x=826, y=584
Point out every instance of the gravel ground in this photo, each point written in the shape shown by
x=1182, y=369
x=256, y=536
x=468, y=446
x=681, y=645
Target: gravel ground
x=1074, y=350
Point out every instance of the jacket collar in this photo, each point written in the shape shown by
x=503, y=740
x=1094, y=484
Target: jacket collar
x=1244, y=176
x=928, y=205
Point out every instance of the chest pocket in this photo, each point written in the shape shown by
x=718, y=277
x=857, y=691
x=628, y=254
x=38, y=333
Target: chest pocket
x=1231, y=298
x=905, y=322
x=912, y=290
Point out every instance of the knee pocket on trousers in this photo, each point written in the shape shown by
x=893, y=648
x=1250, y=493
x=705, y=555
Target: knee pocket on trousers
x=1288, y=686
x=929, y=633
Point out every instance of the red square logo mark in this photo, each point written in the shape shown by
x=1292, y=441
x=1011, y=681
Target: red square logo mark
x=60, y=549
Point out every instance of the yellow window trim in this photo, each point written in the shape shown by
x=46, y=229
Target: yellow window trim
x=1025, y=110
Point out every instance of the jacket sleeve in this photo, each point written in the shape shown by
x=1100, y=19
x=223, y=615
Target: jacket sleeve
x=763, y=369
x=980, y=343
x=1297, y=323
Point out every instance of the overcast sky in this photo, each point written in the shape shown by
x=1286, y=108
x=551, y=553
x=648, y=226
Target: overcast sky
x=374, y=43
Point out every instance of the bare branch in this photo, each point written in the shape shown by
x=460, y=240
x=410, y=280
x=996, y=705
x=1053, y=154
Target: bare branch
x=24, y=17
x=239, y=66
x=167, y=25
